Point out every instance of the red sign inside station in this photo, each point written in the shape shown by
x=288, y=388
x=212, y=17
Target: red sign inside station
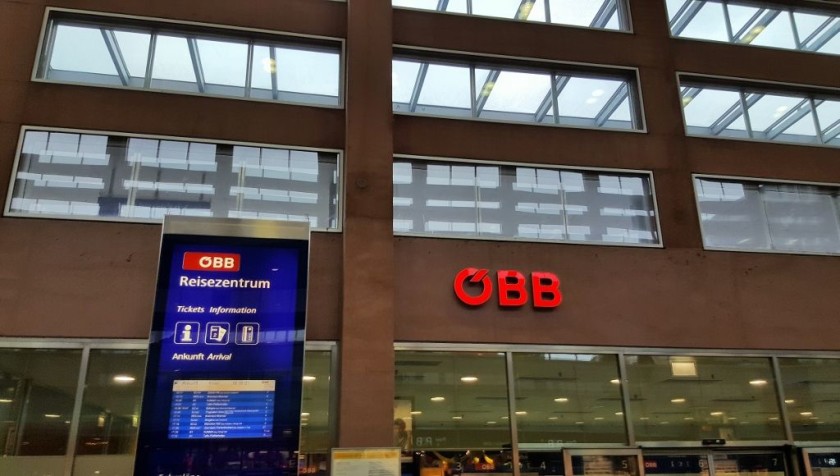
x=475, y=287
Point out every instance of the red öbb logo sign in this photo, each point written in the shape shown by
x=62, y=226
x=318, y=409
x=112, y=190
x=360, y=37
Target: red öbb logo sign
x=197, y=261
x=512, y=288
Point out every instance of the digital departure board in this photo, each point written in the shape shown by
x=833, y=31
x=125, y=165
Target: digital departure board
x=221, y=409
x=225, y=366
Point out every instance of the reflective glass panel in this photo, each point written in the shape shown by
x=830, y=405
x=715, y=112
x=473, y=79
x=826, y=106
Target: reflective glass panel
x=811, y=389
x=96, y=176
x=597, y=14
x=605, y=465
x=791, y=117
x=451, y=400
x=766, y=216
x=756, y=23
x=675, y=398
x=110, y=412
x=568, y=398
x=106, y=51
x=37, y=394
x=315, y=407
x=523, y=203
x=515, y=94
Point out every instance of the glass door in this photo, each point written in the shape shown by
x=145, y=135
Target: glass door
x=716, y=463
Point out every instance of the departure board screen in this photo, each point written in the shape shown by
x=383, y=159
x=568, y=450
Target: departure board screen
x=221, y=409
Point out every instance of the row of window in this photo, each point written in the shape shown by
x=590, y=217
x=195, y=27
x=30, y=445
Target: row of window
x=81, y=403
x=742, y=22
x=99, y=176
x=106, y=51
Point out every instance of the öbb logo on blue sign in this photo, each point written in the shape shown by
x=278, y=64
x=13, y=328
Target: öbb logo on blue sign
x=198, y=261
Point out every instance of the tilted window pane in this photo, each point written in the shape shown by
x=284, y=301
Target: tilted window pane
x=451, y=400
x=114, y=177
x=811, y=387
x=110, y=412
x=795, y=117
x=513, y=93
x=757, y=216
x=748, y=22
x=597, y=14
x=37, y=395
x=523, y=203
x=676, y=398
x=568, y=398
x=106, y=51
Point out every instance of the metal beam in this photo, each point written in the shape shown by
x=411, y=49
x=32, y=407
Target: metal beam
x=733, y=113
x=442, y=5
x=196, y=62
x=684, y=16
x=418, y=86
x=486, y=89
x=550, y=98
x=618, y=97
x=788, y=119
x=116, y=55
x=831, y=132
x=272, y=54
x=519, y=11
x=744, y=35
x=824, y=38
x=607, y=10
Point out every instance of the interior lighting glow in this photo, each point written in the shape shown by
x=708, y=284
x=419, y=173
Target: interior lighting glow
x=758, y=382
x=615, y=381
x=716, y=413
x=416, y=412
x=51, y=415
x=124, y=378
x=680, y=368
x=561, y=399
x=437, y=399
x=677, y=400
x=309, y=378
x=806, y=413
x=457, y=418
x=469, y=379
x=5, y=400
x=521, y=413
x=790, y=401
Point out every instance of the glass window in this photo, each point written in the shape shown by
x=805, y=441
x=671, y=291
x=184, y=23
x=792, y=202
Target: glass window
x=515, y=94
x=110, y=52
x=797, y=117
x=37, y=394
x=451, y=400
x=676, y=398
x=748, y=22
x=110, y=412
x=746, y=215
x=115, y=177
x=811, y=387
x=315, y=408
x=523, y=203
x=597, y=14
x=568, y=398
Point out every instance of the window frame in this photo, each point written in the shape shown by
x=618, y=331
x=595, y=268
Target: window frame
x=164, y=25
x=456, y=161
x=770, y=181
x=747, y=85
x=7, y=212
x=505, y=63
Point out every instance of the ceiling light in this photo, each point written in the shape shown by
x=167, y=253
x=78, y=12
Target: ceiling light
x=758, y=382
x=716, y=413
x=505, y=418
x=683, y=368
x=124, y=378
x=599, y=418
x=806, y=413
x=51, y=415
x=308, y=378
x=578, y=423
x=644, y=418
x=469, y=379
x=619, y=413
x=663, y=422
x=615, y=381
x=491, y=422
x=688, y=418
x=561, y=399
x=552, y=418
x=521, y=413
x=677, y=400
x=437, y=399
x=773, y=418
x=304, y=415
x=416, y=412
x=5, y=400
x=789, y=401
x=457, y=418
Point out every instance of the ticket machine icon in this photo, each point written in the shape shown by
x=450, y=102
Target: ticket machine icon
x=247, y=333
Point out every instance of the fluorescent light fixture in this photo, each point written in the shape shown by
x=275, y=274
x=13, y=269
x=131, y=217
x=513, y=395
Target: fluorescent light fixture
x=416, y=412
x=304, y=415
x=678, y=400
x=491, y=422
x=683, y=368
x=437, y=399
x=124, y=379
x=561, y=399
x=457, y=418
x=806, y=413
x=615, y=381
x=716, y=413
x=552, y=418
x=5, y=400
x=599, y=418
x=51, y=415
x=619, y=413
x=790, y=401
x=469, y=379
x=309, y=378
x=521, y=413
x=758, y=382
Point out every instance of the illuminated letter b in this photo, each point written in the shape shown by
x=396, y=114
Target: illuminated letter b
x=512, y=291
x=546, y=289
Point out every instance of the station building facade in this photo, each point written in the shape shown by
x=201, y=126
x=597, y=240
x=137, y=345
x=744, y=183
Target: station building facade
x=675, y=165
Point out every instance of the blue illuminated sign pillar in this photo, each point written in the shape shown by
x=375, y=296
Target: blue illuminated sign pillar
x=223, y=381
